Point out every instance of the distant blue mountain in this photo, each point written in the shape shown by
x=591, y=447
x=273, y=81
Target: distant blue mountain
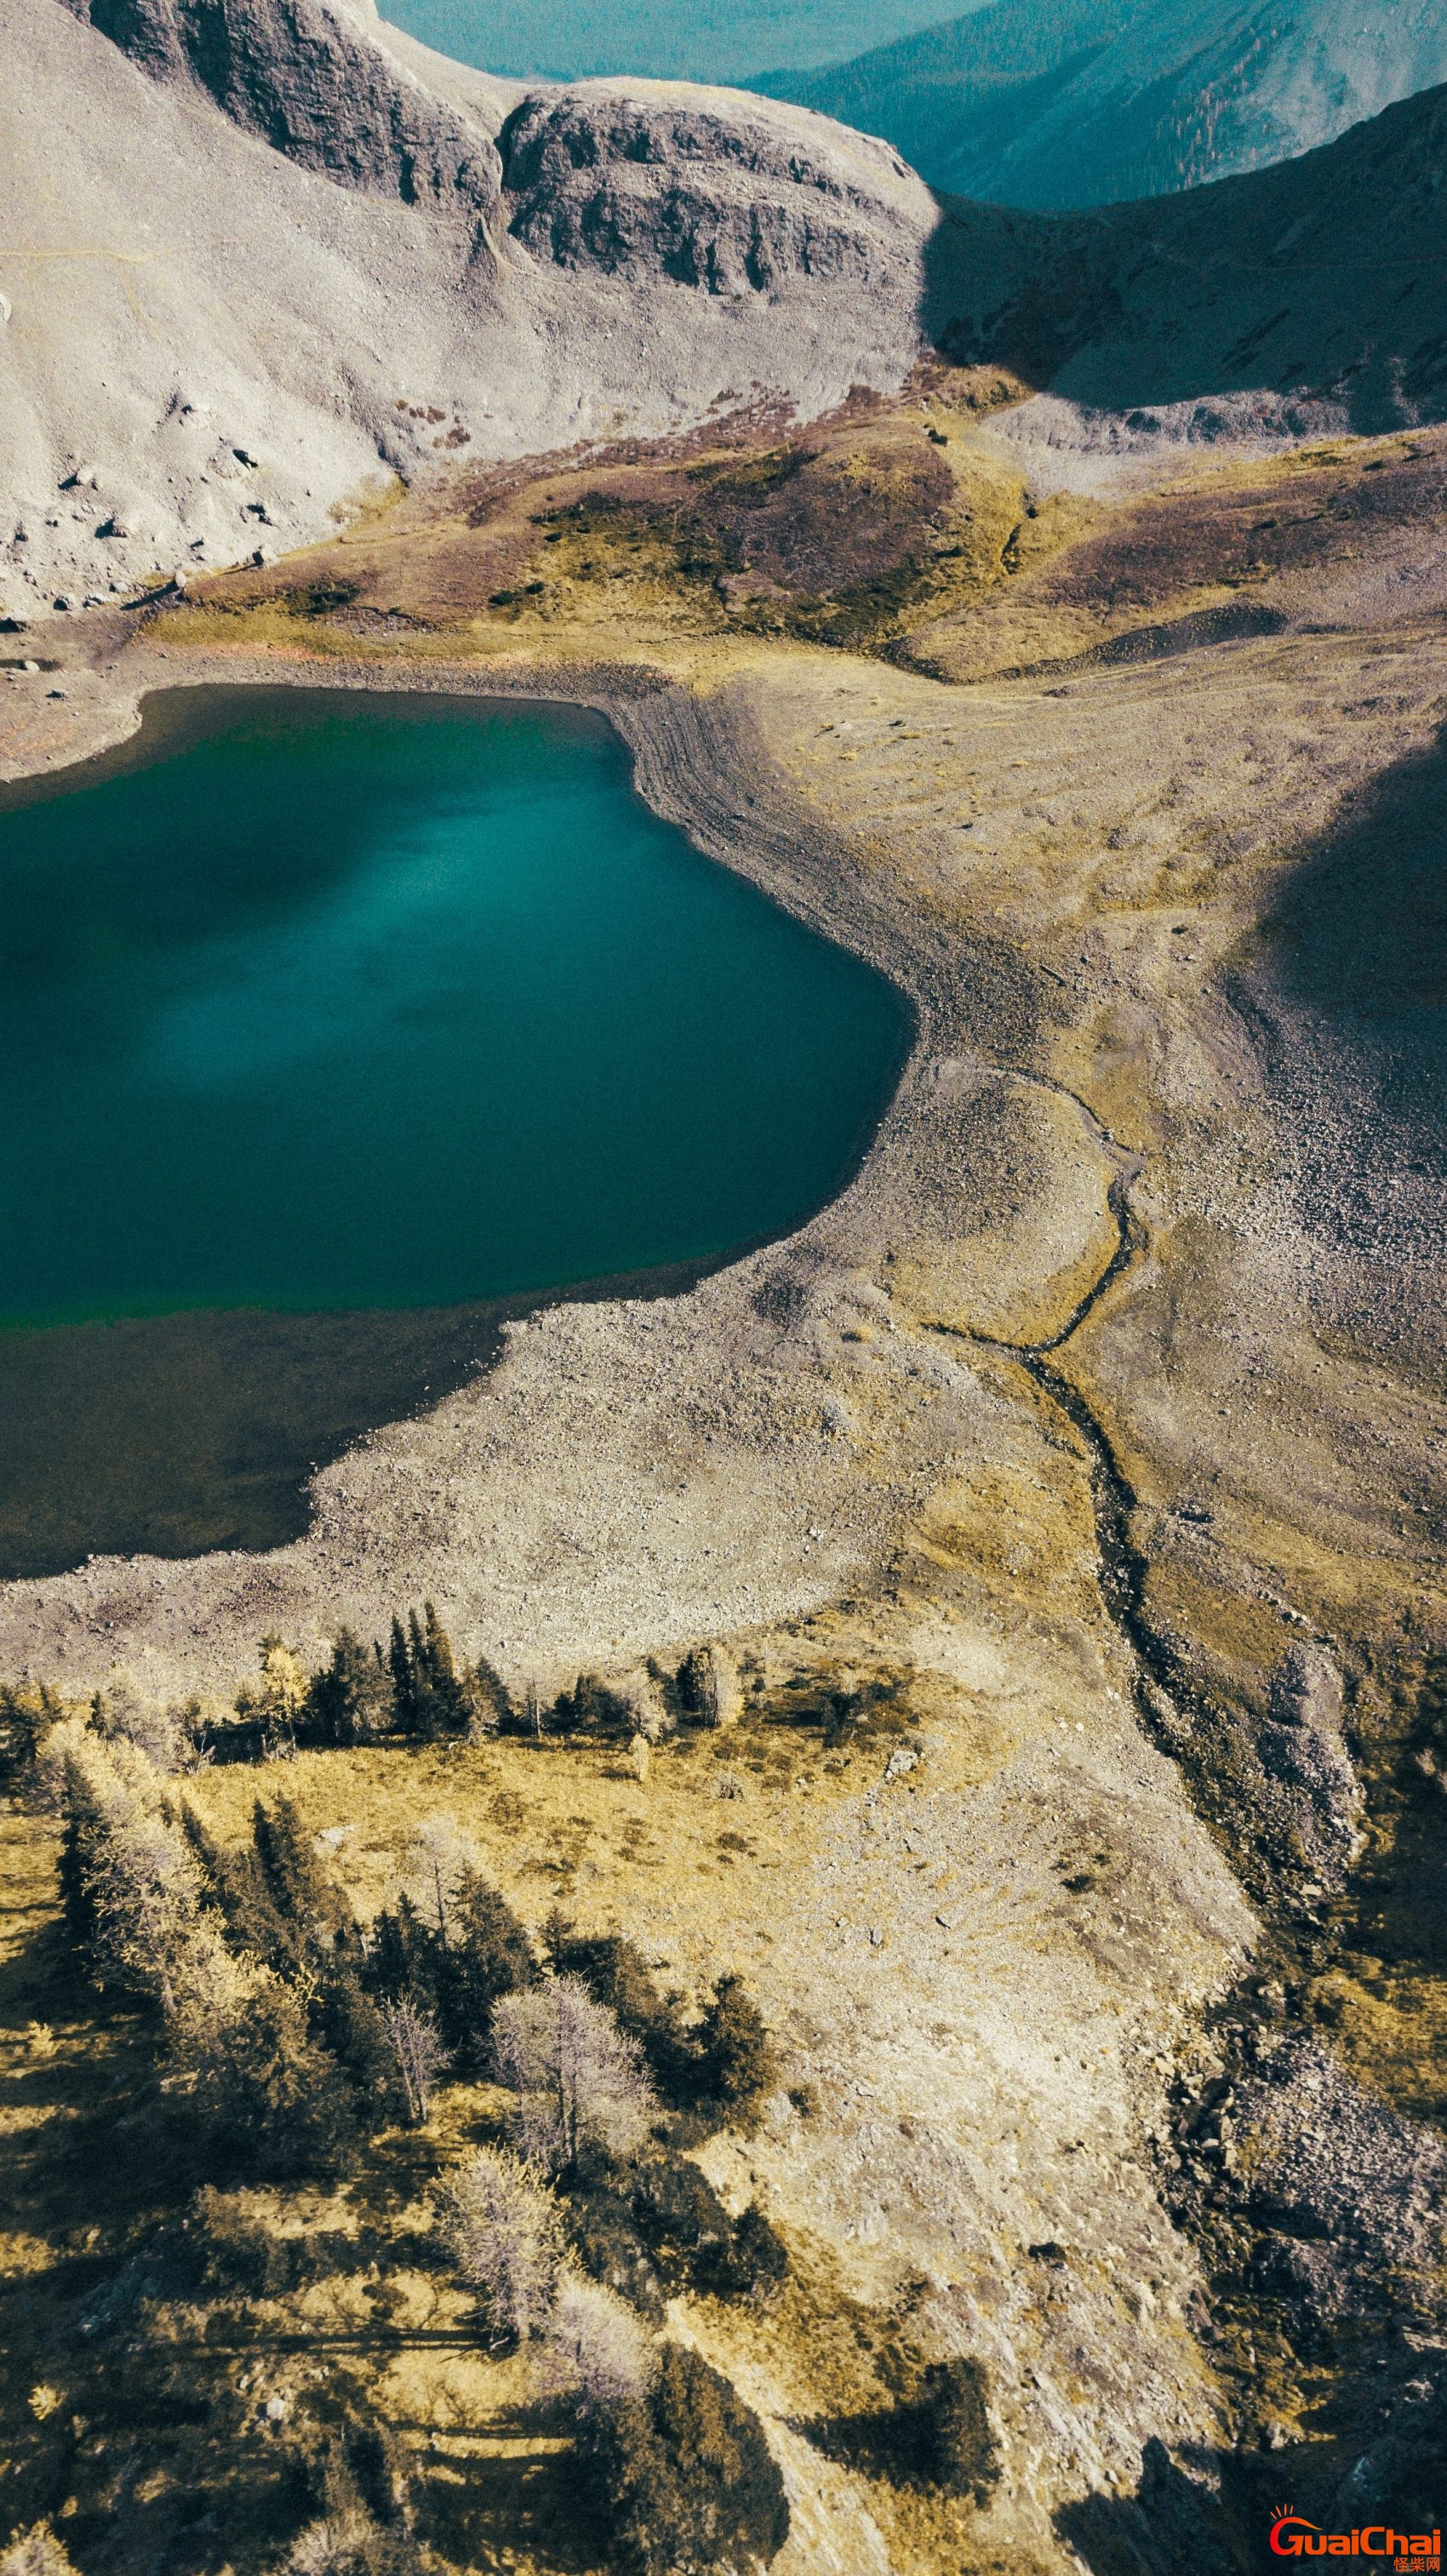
x=1056, y=103
x=708, y=40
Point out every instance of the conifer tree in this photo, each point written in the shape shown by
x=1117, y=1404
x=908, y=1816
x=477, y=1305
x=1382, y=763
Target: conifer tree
x=456, y=1972
x=494, y=1709
x=487, y=1954
x=736, y=2052
x=350, y=1700
x=310, y=1903
x=233, y=1885
x=685, y=2476
x=401, y=1954
x=451, y=1703
x=399, y=1664
x=26, y=1717
x=350, y=2025
x=432, y=1698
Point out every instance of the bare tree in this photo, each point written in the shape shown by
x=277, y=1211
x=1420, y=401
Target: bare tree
x=421, y=2057
x=504, y=2231
x=165, y=1733
x=576, y=2077
x=597, y=2349
x=441, y=1853
x=648, y=1709
x=340, y=2544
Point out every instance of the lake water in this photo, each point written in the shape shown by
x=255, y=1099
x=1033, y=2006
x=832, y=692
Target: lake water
x=372, y=1012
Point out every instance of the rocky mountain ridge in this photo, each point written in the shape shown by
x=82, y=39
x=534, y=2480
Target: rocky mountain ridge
x=307, y=79
x=354, y=261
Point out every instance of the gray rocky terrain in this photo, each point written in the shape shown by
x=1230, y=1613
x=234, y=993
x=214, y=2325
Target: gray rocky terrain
x=268, y=259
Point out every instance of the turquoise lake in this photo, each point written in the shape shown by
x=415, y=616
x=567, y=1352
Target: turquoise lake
x=325, y=1005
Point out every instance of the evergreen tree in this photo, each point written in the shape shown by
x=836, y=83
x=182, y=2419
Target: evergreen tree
x=494, y=1710
x=348, y=2024
x=253, y=2071
x=311, y=1904
x=350, y=1700
x=450, y=1702
x=965, y=2458
x=757, y=2259
x=736, y=2054
x=458, y=1974
x=77, y=1895
x=684, y=2474
x=486, y=1954
x=26, y=1717
x=254, y=1921
x=399, y=1665
x=432, y=1699
x=402, y=1955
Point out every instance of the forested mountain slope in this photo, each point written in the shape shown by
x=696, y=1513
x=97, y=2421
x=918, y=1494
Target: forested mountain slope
x=1055, y=103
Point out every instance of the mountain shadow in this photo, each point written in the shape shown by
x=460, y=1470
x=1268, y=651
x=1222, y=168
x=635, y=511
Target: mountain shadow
x=1308, y=299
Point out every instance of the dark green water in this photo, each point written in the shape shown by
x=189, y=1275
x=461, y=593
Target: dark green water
x=343, y=1007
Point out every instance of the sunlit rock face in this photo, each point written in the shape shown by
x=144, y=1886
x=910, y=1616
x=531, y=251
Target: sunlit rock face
x=635, y=185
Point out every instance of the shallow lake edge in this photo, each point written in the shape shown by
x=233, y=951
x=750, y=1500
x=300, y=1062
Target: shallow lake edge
x=194, y=697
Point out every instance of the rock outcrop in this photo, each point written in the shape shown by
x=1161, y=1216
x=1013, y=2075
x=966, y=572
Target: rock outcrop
x=1312, y=1788
x=1347, y=2193
x=305, y=77
x=635, y=186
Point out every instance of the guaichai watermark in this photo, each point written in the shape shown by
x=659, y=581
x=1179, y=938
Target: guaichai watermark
x=1292, y=2536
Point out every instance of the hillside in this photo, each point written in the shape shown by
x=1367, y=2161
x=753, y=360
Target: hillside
x=1294, y=302
x=346, y=268
x=1058, y=103
x=358, y=265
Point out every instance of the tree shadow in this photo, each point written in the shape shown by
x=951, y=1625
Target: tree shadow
x=1211, y=2510
x=1174, y=2521
x=894, y=2444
